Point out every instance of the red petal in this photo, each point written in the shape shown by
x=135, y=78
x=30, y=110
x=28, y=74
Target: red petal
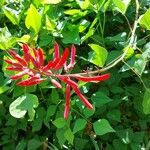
x=93, y=79
x=48, y=66
x=17, y=57
x=26, y=52
x=19, y=75
x=13, y=63
x=67, y=80
x=56, y=51
x=83, y=99
x=36, y=57
x=34, y=62
x=66, y=111
x=14, y=68
x=62, y=59
x=56, y=83
x=55, y=62
x=77, y=91
x=67, y=104
x=40, y=57
x=31, y=81
x=73, y=52
x=51, y=64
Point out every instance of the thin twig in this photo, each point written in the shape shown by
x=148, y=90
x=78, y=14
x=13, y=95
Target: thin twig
x=125, y=52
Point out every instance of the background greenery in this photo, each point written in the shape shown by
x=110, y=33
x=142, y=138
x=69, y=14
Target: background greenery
x=104, y=32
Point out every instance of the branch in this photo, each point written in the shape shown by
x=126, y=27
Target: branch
x=131, y=42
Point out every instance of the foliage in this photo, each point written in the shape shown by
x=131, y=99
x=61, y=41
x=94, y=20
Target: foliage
x=110, y=36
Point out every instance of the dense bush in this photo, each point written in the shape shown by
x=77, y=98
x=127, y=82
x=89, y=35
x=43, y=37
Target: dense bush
x=110, y=36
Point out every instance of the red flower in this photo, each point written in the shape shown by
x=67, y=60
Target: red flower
x=36, y=72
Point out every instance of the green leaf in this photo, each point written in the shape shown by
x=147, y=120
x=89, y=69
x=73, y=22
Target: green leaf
x=38, y=121
x=80, y=143
x=7, y=40
x=54, y=97
x=88, y=112
x=126, y=135
x=79, y=125
x=34, y=144
x=60, y=136
x=33, y=19
x=99, y=56
x=51, y=111
x=50, y=24
x=122, y=5
x=71, y=34
x=22, y=105
x=140, y=65
x=69, y=136
x=72, y=12
x=100, y=99
x=119, y=145
x=59, y=122
x=130, y=52
x=88, y=34
x=114, y=115
x=102, y=127
x=2, y=3
x=50, y=1
x=21, y=145
x=14, y=109
x=4, y=88
x=12, y=15
x=83, y=25
x=84, y=4
x=144, y=20
x=146, y=102
x=11, y=121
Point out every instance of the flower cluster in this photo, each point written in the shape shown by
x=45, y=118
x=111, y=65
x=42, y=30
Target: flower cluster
x=31, y=67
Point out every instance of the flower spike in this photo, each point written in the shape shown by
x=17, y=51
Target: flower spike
x=32, y=66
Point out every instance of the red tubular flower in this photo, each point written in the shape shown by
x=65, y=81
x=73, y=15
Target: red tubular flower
x=33, y=67
x=34, y=62
x=13, y=63
x=77, y=91
x=56, y=51
x=93, y=79
x=67, y=104
x=62, y=60
x=72, y=61
x=26, y=52
x=83, y=99
x=30, y=82
x=14, y=68
x=56, y=83
x=17, y=57
x=20, y=74
x=40, y=57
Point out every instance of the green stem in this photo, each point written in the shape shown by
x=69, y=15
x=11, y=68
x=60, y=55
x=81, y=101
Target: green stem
x=94, y=143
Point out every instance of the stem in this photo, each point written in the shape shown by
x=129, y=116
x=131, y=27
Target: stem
x=136, y=74
x=94, y=143
x=128, y=23
x=125, y=52
x=147, y=146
